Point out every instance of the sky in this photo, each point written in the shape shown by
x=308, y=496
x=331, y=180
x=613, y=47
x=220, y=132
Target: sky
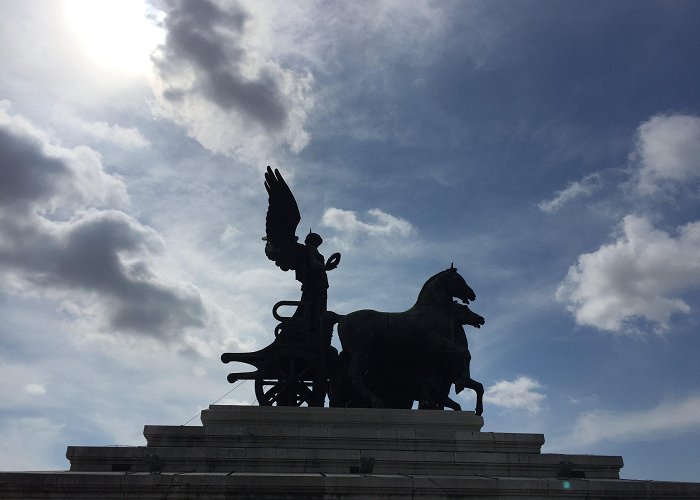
x=550, y=149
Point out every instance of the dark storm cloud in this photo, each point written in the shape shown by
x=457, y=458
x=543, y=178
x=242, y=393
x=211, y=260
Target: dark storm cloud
x=207, y=38
x=26, y=173
x=98, y=254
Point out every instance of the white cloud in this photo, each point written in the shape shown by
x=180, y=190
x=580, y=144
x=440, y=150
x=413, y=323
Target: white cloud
x=642, y=274
x=227, y=93
x=653, y=424
x=666, y=156
x=124, y=137
x=519, y=394
x=350, y=228
x=231, y=235
x=35, y=389
x=638, y=276
x=668, y=152
x=584, y=187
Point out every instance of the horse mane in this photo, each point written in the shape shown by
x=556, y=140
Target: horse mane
x=430, y=282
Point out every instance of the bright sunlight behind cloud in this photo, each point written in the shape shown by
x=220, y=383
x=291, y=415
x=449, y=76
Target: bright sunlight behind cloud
x=114, y=33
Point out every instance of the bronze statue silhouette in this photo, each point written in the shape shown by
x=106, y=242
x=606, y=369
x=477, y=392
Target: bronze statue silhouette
x=441, y=372
x=393, y=359
x=283, y=247
x=388, y=359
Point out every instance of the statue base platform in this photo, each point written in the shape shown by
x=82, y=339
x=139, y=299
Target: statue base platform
x=283, y=452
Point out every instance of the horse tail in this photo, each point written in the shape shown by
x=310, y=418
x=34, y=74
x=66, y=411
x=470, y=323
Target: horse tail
x=328, y=320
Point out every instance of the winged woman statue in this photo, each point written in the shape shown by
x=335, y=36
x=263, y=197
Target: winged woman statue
x=283, y=247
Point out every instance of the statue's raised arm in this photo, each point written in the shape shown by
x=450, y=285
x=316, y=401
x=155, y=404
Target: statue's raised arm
x=281, y=223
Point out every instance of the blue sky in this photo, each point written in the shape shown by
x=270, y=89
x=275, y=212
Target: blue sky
x=551, y=150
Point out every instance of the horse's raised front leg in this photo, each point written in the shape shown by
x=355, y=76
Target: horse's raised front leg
x=478, y=388
x=466, y=381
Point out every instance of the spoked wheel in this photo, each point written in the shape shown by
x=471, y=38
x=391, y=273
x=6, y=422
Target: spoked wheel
x=290, y=378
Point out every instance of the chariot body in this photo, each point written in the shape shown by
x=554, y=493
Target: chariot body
x=294, y=370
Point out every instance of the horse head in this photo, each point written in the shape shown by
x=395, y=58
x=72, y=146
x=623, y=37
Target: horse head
x=457, y=287
x=443, y=287
x=465, y=316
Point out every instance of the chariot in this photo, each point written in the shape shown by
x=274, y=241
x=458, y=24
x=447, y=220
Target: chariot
x=294, y=370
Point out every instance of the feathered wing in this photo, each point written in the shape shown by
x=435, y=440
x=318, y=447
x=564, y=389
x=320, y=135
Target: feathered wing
x=281, y=222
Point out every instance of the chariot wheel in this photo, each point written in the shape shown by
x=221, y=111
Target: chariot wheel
x=291, y=378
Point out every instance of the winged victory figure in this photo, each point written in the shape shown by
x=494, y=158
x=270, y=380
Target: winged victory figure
x=283, y=247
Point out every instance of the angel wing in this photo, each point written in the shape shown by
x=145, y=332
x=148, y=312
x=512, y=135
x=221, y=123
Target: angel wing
x=281, y=222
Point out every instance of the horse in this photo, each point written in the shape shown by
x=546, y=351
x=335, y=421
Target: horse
x=443, y=372
x=381, y=346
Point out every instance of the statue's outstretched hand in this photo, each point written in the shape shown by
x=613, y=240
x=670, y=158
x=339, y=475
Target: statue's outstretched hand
x=333, y=261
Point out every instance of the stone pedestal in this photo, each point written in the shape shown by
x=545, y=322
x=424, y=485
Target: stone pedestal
x=288, y=440
x=279, y=452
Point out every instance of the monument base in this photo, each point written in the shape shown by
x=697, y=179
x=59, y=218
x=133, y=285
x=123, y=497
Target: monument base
x=282, y=452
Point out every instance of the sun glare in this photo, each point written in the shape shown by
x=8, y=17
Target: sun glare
x=116, y=34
